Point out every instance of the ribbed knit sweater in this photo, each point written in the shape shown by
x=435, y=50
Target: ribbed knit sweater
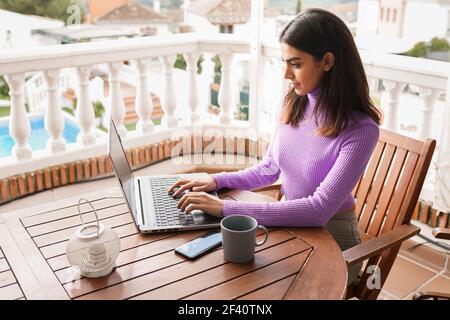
x=318, y=173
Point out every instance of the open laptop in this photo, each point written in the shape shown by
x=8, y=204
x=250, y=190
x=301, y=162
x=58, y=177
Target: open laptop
x=152, y=208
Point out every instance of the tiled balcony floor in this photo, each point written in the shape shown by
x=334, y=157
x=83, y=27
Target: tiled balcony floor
x=420, y=265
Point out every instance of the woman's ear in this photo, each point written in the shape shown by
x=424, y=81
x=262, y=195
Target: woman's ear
x=327, y=61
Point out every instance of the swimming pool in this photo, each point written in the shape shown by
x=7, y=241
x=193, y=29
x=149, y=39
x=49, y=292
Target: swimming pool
x=38, y=136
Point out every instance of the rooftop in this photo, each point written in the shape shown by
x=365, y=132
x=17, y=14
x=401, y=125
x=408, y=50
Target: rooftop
x=132, y=13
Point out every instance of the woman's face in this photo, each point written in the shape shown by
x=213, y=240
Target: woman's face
x=302, y=70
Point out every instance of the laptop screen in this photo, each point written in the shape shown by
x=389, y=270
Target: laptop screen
x=121, y=167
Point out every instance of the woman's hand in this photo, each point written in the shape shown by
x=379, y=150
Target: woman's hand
x=206, y=184
x=202, y=201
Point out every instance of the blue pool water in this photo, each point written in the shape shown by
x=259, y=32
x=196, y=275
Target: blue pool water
x=38, y=136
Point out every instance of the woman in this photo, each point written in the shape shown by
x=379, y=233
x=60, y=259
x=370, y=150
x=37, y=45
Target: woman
x=327, y=132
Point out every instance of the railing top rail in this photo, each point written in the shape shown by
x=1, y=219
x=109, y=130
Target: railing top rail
x=411, y=70
x=78, y=54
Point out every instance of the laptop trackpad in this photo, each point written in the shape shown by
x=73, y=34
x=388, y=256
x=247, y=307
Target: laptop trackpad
x=203, y=218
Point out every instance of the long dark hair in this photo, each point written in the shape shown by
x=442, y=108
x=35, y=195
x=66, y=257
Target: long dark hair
x=344, y=87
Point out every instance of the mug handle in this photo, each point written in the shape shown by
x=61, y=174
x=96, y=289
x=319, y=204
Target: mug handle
x=266, y=235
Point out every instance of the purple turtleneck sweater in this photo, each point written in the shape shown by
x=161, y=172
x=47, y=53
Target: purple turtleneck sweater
x=318, y=173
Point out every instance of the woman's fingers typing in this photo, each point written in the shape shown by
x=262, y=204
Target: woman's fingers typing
x=177, y=183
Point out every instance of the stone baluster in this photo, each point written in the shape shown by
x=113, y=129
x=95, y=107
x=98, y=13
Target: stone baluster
x=116, y=104
x=144, y=102
x=394, y=89
x=192, y=92
x=225, y=93
x=54, y=119
x=429, y=97
x=169, y=102
x=19, y=125
x=85, y=111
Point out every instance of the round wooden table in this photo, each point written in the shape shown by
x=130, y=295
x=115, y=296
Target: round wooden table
x=294, y=263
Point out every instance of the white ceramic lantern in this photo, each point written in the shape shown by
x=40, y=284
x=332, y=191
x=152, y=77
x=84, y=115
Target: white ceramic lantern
x=94, y=247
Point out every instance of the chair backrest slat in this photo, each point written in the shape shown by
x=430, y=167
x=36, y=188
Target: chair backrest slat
x=366, y=180
x=382, y=192
x=399, y=192
x=377, y=185
x=386, y=196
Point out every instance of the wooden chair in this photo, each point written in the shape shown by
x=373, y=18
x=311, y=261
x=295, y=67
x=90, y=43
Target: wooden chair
x=386, y=196
x=439, y=233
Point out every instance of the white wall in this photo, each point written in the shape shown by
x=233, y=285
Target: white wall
x=367, y=21
x=424, y=21
x=201, y=24
x=21, y=26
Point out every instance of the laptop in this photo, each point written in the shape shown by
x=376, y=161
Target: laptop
x=152, y=208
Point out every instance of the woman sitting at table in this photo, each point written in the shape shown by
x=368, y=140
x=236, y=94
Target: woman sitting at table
x=326, y=135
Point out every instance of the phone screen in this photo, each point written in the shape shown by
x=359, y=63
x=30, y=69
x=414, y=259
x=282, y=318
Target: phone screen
x=200, y=245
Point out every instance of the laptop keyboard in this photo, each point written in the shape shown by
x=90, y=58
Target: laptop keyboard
x=166, y=211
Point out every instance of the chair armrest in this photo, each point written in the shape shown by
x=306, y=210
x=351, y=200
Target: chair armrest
x=379, y=244
x=441, y=233
x=423, y=295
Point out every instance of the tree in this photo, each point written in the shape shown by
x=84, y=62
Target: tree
x=439, y=44
x=57, y=9
x=419, y=50
x=4, y=89
x=422, y=49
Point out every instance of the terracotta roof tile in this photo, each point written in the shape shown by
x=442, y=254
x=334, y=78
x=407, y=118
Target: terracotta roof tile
x=132, y=13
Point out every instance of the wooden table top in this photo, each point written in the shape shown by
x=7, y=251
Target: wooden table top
x=294, y=263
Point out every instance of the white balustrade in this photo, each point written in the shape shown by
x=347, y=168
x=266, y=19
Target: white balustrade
x=143, y=103
x=54, y=119
x=192, y=98
x=225, y=93
x=85, y=112
x=395, y=71
x=116, y=104
x=428, y=97
x=169, y=102
x=19, y=125
x=394, y=89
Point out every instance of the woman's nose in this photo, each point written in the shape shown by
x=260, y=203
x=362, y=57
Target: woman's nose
x=288, y=73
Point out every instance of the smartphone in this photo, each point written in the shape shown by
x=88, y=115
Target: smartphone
x=200, y=245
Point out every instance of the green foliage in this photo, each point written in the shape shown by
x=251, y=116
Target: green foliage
x=4, y=89
x=68, y=110
x=419, y=50
x=180, y=63
x=56, y=9
x=217, y=68
x=99, y=109
x=439, y=44
x=5, y=111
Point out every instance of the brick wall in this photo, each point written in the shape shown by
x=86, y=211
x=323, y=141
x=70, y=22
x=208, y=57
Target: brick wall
x=28, y=183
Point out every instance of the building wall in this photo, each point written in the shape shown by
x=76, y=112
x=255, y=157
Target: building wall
x=411, y=21
x=390, y=18
x=21, y=27
x=200, y=24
